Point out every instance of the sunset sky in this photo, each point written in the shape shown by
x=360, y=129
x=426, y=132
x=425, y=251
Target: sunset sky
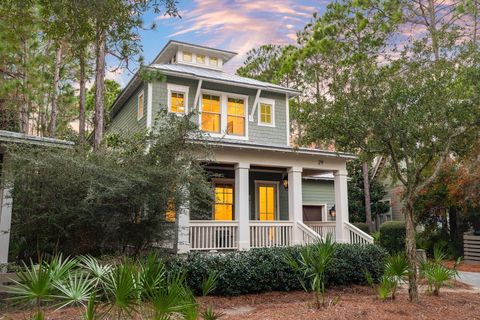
x=236, y=25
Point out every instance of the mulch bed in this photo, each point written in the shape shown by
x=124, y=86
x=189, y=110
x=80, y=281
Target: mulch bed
x=459, y=302
x=463, y=266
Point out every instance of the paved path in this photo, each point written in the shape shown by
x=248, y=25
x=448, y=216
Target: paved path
x=471, y=278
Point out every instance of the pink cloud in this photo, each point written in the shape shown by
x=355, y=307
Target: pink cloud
x=241, y=25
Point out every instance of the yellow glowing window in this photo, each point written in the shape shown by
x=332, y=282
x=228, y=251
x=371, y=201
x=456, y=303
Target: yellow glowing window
x=267, y=202
x=211, y=113
x=140, y=106
x=266, y=113
x=213, y=61
x=170, y=213
x=236, y=117
x=200, y=59
x=223, y=209
x=177, y=102
x=187, y=56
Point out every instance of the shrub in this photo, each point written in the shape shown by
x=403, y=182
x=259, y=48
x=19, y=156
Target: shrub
x=262, y=270
x=362, y=226
x=392, y=236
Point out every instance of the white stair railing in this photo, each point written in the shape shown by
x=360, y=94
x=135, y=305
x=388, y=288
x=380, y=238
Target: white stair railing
x=213, y=235
x=323, y=228
x=357, y=236
x=265, y=234
x=306, y=234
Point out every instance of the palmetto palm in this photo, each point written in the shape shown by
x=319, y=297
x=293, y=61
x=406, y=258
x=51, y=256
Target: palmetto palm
x=396, y=271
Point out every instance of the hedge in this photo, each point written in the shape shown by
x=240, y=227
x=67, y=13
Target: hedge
x=262, y=270
x=362, y=226
x=392, y=236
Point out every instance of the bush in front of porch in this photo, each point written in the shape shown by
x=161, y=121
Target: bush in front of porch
x=263, y=270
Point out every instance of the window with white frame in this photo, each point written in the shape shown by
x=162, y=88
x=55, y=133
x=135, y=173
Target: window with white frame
x=200, y=59
x=187, y=56
x=266, y=112
x=213, y=61
x=224, y=113
x=140, y=105
x=177, y=99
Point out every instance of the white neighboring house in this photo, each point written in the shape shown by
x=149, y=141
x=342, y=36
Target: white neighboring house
x=260, y=201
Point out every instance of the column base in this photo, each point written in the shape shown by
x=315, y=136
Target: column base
x=243, y=245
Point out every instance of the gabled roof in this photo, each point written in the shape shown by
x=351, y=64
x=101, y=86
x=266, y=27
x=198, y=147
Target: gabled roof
x=173, y=45
x=219, y=76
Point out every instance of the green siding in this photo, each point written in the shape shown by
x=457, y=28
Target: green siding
x=316, y=192
x=125, y=121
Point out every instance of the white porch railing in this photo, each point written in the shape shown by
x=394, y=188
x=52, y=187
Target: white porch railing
x=307, y=235
x=323, y=228
x=271, y=234
x=213, y=235
x=357, y=236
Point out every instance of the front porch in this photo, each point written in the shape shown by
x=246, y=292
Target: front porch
x=258, y=203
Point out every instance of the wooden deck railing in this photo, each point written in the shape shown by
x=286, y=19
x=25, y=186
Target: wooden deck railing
x=323, y=228
x=271, y=234
x=357, y=236
x=213, y=235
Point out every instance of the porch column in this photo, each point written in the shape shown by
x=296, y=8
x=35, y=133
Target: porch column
x=5, y=223
x=242, y=212
x=341, y=205
x=295, y=201
x=183, y=225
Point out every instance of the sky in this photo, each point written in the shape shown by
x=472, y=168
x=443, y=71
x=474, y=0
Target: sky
x=235, y=25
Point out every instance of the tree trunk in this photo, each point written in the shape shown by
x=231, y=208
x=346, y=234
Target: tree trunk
x=24, y=110
x=81, y=112
x=55, y=92
x=366, y=190
x=411, y=249
x=99, y=89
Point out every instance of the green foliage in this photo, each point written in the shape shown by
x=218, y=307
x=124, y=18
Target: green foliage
x=311, y=266
x=263, y=270
x=392, y=236
x=396, y=271
x=356, y=195
x=209, y=314
x=209, y=283
x=436, y=274
x=385, y=288
x=362, y=226
x=76, y=201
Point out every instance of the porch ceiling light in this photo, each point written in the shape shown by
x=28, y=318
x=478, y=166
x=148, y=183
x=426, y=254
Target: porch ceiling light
x=332, y=212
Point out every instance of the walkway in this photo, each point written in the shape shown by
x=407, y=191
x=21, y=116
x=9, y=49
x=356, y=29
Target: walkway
x=471, y=278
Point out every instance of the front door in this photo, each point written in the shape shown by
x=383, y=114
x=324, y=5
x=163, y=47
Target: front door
x=267, y=206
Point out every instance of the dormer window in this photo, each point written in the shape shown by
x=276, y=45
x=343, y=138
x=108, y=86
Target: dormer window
x=187, y=57
x=213, y=61
x=200, y=59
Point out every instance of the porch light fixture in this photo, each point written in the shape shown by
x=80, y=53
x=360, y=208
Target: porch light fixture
x=285, y=181
x=332, y=212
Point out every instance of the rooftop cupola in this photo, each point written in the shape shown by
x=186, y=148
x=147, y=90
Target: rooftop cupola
x=176, y=52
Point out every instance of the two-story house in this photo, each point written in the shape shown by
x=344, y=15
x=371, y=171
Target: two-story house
x=269, y=193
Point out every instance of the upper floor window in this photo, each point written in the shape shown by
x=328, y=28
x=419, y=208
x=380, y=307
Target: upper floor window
x=211, y=113
x=140, y=104
x=200, y=59
x=266, y=112
x=187, y=56
x=236, y=116
x=177, y=98
x=213, y=61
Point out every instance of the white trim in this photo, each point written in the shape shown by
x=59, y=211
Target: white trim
x=180, y=89
x=223, y=114
x=255, y=103
x=149, y=105
x=270, y=102
x=194, y=62
x=197, y=95
x=140, y=94
x=277, y=196
x=288, y=118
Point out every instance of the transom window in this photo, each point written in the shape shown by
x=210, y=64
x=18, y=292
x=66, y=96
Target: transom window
x=140, y=105
x=213, y=61
x=200, y=59
x=211, y=113
x=177, y=102
x=223, y=207
x=187, y=56
x=266, y=201
x=266, y=112
x=236, y=117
